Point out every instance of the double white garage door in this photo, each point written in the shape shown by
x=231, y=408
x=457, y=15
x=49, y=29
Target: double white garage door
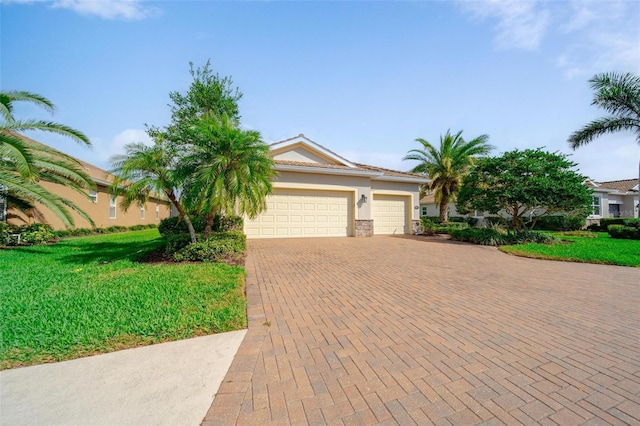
x=302, y=213
x=293, y=213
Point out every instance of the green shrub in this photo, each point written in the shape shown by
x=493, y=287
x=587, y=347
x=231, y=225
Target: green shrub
x=450, y=226
x=176, y=225
x=634, y=223
x=227, y=223
x=176, y=242
x=38, y=233
x=496, y=237
x=561, y=222
x=605, y=222
x=624, y=232
x=431, y=219
x=225, y=247
x=6, y=230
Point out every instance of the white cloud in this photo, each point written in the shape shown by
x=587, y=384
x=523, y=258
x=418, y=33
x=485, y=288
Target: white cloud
x=521, y=24
x=604, y=37
x=130, y=10
x=103, y=150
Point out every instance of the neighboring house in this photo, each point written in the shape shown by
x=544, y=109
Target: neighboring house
x=318, y=193
x=103, y=208
x=617, y=198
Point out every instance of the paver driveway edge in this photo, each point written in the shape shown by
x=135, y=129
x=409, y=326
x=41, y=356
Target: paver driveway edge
x=228, y=400
x=407, y=330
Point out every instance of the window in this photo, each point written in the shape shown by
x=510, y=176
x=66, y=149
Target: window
x=595, y=206
x=141, y=212
x=423, y=211
x=94, y=196
x=112, y=207
x=157, y=211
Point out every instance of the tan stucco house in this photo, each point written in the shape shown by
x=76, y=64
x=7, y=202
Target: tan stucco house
x=103, y=208
x=318, y=193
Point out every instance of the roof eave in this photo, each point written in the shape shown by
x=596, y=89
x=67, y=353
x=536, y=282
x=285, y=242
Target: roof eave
x=410, y=179
x=327, y=171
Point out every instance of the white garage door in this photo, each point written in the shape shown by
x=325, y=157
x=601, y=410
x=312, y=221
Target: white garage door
x=389, y=214
x=303, y=213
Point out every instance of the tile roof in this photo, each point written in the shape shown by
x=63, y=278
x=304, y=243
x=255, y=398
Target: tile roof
x=316, y=165
x=389, y=172
x=428, y=199
x=360, y=167
x=624, y=185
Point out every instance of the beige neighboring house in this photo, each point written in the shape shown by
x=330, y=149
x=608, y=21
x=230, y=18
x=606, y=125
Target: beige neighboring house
x=318, y=193
x=103, y=208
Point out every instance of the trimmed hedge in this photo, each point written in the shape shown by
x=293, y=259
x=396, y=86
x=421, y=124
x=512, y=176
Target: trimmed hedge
x=42, y=233
x=175, y=225
x=561, y=222
x=79, y=232
x=225, y=247
x=629, y=230
x=494, y=237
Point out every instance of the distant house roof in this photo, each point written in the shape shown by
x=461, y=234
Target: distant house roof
x=98, y=175
x=625, y=185
x=428, y=199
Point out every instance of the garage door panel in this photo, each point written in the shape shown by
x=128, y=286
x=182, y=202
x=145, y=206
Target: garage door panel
x=389, y=213
x=303, y=213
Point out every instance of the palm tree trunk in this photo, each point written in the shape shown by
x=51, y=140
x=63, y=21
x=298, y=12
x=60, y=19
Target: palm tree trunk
x=443, y=211
x=208, y=225
x=182, y=213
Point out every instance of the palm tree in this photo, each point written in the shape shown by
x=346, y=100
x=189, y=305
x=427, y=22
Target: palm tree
x=24, y=162
x=619, y=95
x=143, y=169
x=227, y=170
x=447, y=165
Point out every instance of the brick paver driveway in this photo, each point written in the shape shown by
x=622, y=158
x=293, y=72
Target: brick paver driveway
x=404, y=330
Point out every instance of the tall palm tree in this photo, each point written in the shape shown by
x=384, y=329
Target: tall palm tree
x=227, y=170
x=619, y=95
x=24, y=162
x=143, y=169
x=447, y=165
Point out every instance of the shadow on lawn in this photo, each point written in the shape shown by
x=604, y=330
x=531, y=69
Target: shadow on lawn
x=106, y=252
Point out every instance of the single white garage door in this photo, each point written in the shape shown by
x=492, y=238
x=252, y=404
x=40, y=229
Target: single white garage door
x=293, y=213
x=389, y=214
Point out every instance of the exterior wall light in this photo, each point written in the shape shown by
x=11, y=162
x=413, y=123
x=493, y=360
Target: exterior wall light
x=363, y=198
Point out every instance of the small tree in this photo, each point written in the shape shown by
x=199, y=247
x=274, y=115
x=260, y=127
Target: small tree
x=521, y=186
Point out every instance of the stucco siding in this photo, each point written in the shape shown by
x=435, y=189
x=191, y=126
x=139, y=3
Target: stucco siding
x=98, y=211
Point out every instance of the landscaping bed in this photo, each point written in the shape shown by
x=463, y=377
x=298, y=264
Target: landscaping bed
x=91, y=295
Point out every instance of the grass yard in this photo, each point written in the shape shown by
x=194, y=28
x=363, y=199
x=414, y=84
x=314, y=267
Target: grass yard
x=84, y=296
x=602, y=249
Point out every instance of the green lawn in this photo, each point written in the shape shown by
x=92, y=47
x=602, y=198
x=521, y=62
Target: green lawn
x=84, y=296
x=602, y=249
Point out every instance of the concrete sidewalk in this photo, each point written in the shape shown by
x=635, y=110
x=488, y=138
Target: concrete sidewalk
x=166, y=384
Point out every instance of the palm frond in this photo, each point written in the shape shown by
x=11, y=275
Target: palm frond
x=603, y=126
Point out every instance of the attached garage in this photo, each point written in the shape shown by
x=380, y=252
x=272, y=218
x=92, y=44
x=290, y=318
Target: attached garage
x=389, y=213
x=296, y=213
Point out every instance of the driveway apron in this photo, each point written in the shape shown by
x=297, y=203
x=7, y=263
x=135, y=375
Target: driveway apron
x=412, y=330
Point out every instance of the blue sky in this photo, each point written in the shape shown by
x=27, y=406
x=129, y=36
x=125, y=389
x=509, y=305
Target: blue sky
x=364, y=79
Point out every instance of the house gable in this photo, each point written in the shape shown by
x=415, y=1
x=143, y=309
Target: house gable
x=303, y=150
